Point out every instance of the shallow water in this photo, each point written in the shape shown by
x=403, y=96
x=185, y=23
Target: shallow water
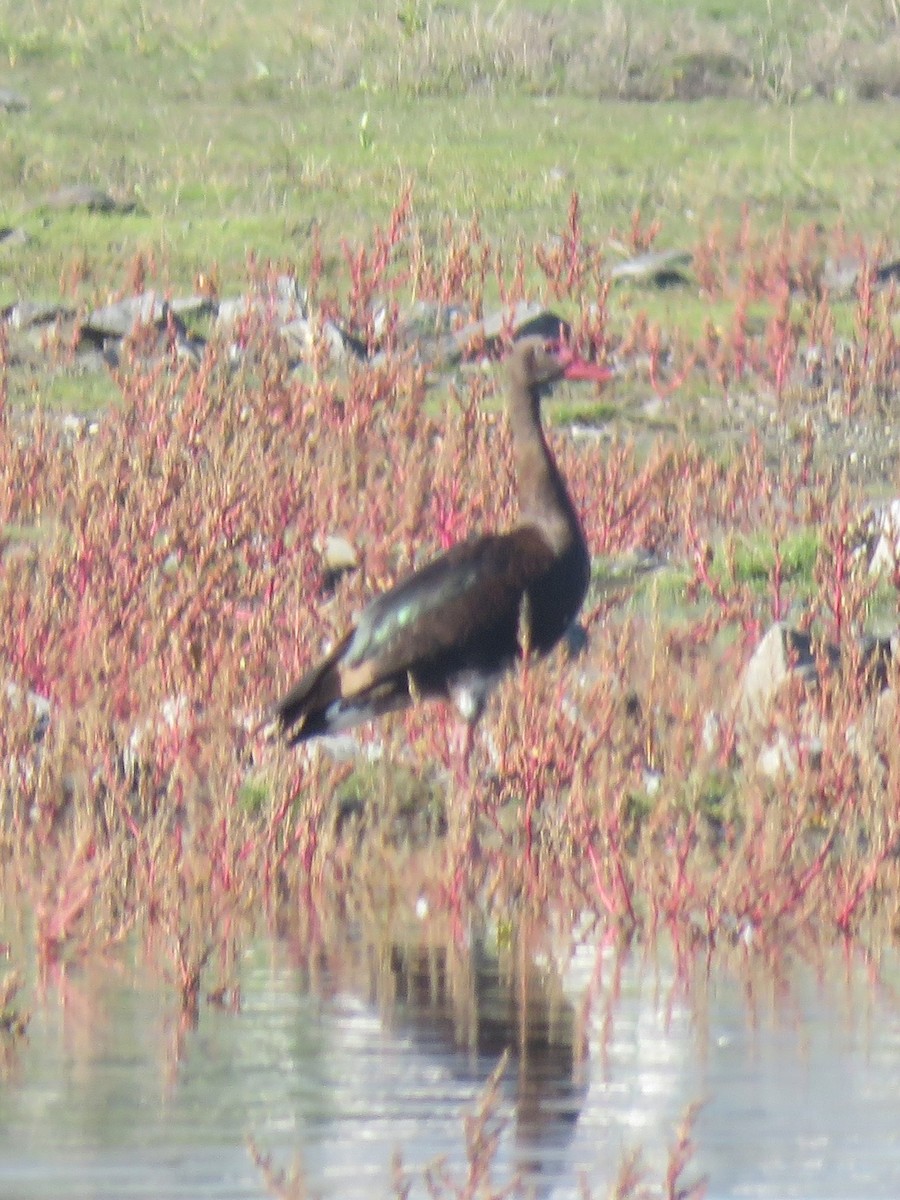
x=111, y=1098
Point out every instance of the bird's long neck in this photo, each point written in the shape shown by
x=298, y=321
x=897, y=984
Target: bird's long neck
x=543, y=499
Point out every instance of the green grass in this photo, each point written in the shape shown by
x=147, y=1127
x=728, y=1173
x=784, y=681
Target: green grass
x=225, y=194
x=754, y=557
x=83, y=394
x=741, y=559
x=236, y=131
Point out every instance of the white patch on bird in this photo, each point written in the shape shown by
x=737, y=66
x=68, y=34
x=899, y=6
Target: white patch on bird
x=469, y=691
x=523, y=636
x=341, y=716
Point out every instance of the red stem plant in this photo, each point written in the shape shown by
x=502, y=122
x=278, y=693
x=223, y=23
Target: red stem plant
x=781, y=340
x=368, y=268
x=169, y=583
x=567, y=262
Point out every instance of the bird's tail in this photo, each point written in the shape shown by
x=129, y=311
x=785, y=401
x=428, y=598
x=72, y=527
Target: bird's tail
x=302, y=712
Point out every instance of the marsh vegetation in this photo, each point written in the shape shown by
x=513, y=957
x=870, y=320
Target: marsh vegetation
x=162, y=576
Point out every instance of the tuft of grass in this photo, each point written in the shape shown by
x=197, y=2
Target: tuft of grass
x=272, y=143
x=754, y=557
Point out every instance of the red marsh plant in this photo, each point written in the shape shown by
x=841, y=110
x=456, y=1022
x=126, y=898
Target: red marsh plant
x=785, y=273
x=370, y=271
x=174, y=583
x=484, y=1126
x=640, y=237
x=568, y=262
x=457, y=275
x=872, y=366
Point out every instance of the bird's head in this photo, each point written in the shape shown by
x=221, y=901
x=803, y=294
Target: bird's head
x=538, y=363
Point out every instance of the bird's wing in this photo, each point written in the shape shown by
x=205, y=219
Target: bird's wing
x=448, y=603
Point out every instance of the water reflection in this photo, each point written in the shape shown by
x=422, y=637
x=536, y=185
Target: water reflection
x=376, y=1046
x=501, y=1004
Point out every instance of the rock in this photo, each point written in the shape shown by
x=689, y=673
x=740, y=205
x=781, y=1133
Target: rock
x=12, y=101
x=189, y=349
x=711, y=734
x=653, y=781
x=786, y=656
x=27, y=314
x=105, y=328
x=338, y=557
x=83, y=195
x=884, y=528
x=38, y=706
x=782, y=654
x=302, y=334
x=525, y=318
x=886, y=273
x=11, y=236
x=841, y=275
x=125, y=317
x=75, y=426
x=522, y=320
x=338, y=554
x=285, y=301
x=284, y=308
x=175, y=717
x=783, y=755
x=231, y=309
x=661, y=268
x=423, y=327
x=874, y=732
x=876, y=659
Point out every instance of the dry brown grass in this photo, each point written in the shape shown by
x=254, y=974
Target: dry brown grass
x=615, y=51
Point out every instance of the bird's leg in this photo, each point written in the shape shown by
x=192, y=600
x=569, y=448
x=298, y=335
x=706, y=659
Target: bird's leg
x=523, y=634
x=462, y=816
x=460, y=742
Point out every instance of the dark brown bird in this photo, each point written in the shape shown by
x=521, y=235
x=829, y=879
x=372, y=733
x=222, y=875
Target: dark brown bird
x=450, y=629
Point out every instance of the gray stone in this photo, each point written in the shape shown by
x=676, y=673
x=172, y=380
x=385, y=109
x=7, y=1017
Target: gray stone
x=174, y=715
x=301, y=334
x=126, y=316
x=338, y=554
x=285, y=301
x=661, y=268
x=101, y=334
x=885, y=528
x=84, y=195
x=518, y=321
x=841, y=275
x=782, y=755
x=12, y=236
x=425, y=323
x=12, y=101
x=783, y=653
x=778, y=741
x=522, y=320
x=37, y=705
x=26, y=314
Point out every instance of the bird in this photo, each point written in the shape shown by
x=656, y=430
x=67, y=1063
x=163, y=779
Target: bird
x=453, y=627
